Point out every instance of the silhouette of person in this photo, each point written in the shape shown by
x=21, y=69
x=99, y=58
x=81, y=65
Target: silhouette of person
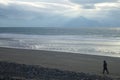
x=105, y=69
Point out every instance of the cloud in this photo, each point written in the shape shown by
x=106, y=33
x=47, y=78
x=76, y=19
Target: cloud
x=92, y=1
x=82, y=22
x=56, y=13
x=51, y=7
x=27, y=14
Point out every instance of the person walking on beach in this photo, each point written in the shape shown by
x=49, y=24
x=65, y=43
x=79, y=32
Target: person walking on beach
x=105, y=67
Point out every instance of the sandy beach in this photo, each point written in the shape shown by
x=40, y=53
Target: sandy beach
x=61, y=60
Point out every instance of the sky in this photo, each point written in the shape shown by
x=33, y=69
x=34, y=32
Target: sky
x=59, y=13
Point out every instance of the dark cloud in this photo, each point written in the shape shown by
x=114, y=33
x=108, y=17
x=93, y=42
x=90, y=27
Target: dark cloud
x=88, y=6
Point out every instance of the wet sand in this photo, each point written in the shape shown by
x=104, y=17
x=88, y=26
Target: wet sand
x=61, y=60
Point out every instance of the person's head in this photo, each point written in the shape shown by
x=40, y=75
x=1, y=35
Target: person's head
x=104, y=61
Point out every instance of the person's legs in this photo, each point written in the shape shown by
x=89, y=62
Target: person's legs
x=107, y=71
x=103, y=71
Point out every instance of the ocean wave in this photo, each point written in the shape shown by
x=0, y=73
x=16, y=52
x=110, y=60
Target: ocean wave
x=93, y=45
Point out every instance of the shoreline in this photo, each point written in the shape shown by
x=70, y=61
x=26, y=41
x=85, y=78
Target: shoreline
x=61, y=60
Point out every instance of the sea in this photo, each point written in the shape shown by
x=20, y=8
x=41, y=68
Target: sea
x=92, y=41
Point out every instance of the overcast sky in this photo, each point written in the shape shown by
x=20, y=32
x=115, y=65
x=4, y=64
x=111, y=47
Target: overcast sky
x=59, y=13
